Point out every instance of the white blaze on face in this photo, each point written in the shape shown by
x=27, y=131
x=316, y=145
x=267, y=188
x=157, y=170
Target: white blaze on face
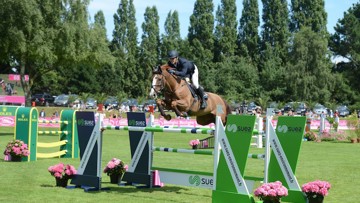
x=153, y=84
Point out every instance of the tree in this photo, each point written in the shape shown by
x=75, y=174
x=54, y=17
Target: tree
x=44, y=39
x=124, y=47
x=225, y=30
x=149, y=47
x=25, y=40
x=201, y=40
x=201, y=28
x=275, y=30
x=345, y=43
x=171, y=40
x=306, y=13
x=236, y=78
x=309, y=73
x=248, y=38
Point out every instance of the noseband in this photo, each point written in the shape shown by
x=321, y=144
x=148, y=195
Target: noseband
x=162, y=84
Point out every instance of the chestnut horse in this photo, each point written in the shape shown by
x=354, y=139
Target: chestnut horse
x=178, y=97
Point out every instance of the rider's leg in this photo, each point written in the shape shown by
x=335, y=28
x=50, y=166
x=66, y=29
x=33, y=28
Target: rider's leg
x=199, y=89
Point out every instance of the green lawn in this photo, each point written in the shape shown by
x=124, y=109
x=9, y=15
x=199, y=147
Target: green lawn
x=337, y=163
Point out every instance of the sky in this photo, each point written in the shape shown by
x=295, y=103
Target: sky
x=334, y=8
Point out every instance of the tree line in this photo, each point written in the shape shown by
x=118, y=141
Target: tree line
x=286, y=58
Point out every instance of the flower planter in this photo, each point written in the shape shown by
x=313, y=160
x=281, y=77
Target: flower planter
x=15, y=158
x=116, y=178
x=271, y=200
x=61, y=182
x=316, y=199
x=195, y=146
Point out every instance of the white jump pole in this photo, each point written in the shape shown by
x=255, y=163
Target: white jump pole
x=269, y=113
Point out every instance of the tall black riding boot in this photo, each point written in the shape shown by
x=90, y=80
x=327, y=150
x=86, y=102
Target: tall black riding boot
x=203, y=97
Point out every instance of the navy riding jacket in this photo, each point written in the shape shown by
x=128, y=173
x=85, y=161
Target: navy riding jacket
x=184, y=68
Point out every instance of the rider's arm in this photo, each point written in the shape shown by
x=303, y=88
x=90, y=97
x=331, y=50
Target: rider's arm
x=186, y=65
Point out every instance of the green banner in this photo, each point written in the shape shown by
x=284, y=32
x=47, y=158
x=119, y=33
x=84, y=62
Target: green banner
x=285, y=153
x=8, y=110
x=235, y=145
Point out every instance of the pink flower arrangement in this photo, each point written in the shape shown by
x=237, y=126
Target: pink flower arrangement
x=194, y=142
x=17, y=148
x=316, y=188
x=61, y=171
x=271, y=191
x=115, y=166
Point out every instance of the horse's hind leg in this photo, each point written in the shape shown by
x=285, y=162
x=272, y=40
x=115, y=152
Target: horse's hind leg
x=205, y=119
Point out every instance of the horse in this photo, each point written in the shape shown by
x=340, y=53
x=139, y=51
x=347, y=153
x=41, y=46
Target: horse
x=179, y=98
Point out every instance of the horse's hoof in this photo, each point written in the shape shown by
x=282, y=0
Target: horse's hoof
x=167, y=117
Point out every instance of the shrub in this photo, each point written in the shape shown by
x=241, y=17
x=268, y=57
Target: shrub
x=310, y=136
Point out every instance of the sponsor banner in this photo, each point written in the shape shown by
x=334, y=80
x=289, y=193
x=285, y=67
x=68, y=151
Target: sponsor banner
x=8, y=110
x=185, y=179
x=16, y=77
x=12, y=99
x=315, y=124
x=7, y=121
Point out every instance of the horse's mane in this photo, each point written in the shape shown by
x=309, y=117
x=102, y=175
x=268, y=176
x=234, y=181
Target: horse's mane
x=165, y=68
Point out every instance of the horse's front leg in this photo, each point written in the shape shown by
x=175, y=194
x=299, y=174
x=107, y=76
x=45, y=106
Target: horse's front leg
x=174, y=106
x=160, y=103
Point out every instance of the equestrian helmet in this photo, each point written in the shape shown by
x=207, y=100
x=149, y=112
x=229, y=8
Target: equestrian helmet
x=173, y=54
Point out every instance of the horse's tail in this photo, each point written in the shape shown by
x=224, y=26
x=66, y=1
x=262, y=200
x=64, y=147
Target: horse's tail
x=227, y=109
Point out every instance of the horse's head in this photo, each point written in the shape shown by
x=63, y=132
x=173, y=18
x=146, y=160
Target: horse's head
x=157, y=84
x=162, y=79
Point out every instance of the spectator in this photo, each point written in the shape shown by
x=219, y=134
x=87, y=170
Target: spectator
x=290, y=113
x=42, y=113
x=55, y=114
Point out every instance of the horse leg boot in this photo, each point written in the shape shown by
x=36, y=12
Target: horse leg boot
x=203, y=97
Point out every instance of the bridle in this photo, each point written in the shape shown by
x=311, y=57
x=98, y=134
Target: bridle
x=160, y=86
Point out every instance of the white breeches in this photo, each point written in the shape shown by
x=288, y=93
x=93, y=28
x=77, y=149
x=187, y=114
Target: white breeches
x=195, y=77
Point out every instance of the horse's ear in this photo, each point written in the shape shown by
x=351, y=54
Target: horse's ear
x=157, y=69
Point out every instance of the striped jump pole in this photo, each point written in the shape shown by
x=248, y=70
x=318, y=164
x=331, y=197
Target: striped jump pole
x=54, y=122
x=168, y=130
x=158, y=129
x=202, y=152
x=52, y=132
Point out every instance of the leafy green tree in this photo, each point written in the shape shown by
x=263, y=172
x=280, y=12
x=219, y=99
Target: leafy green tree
x=131, y=70
x=149, y=47
x=309, y=73
x=201, y=29
x=275, y=30
x=47, y=38
x=248, y=37
x=201, y=41
x=225, y=30
x=171, y=40
x=124, y=47
x=24, y=40
x=345, y=43
x=273, y=75
x=306, y=13
x=236, y=78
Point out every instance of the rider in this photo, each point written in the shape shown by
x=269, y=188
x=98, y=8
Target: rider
x=187, y=69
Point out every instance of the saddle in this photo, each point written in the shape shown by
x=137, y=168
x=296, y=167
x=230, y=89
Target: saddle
x=192, y=89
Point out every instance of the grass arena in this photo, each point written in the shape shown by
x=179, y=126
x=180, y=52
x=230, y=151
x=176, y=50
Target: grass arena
x=322, y=159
